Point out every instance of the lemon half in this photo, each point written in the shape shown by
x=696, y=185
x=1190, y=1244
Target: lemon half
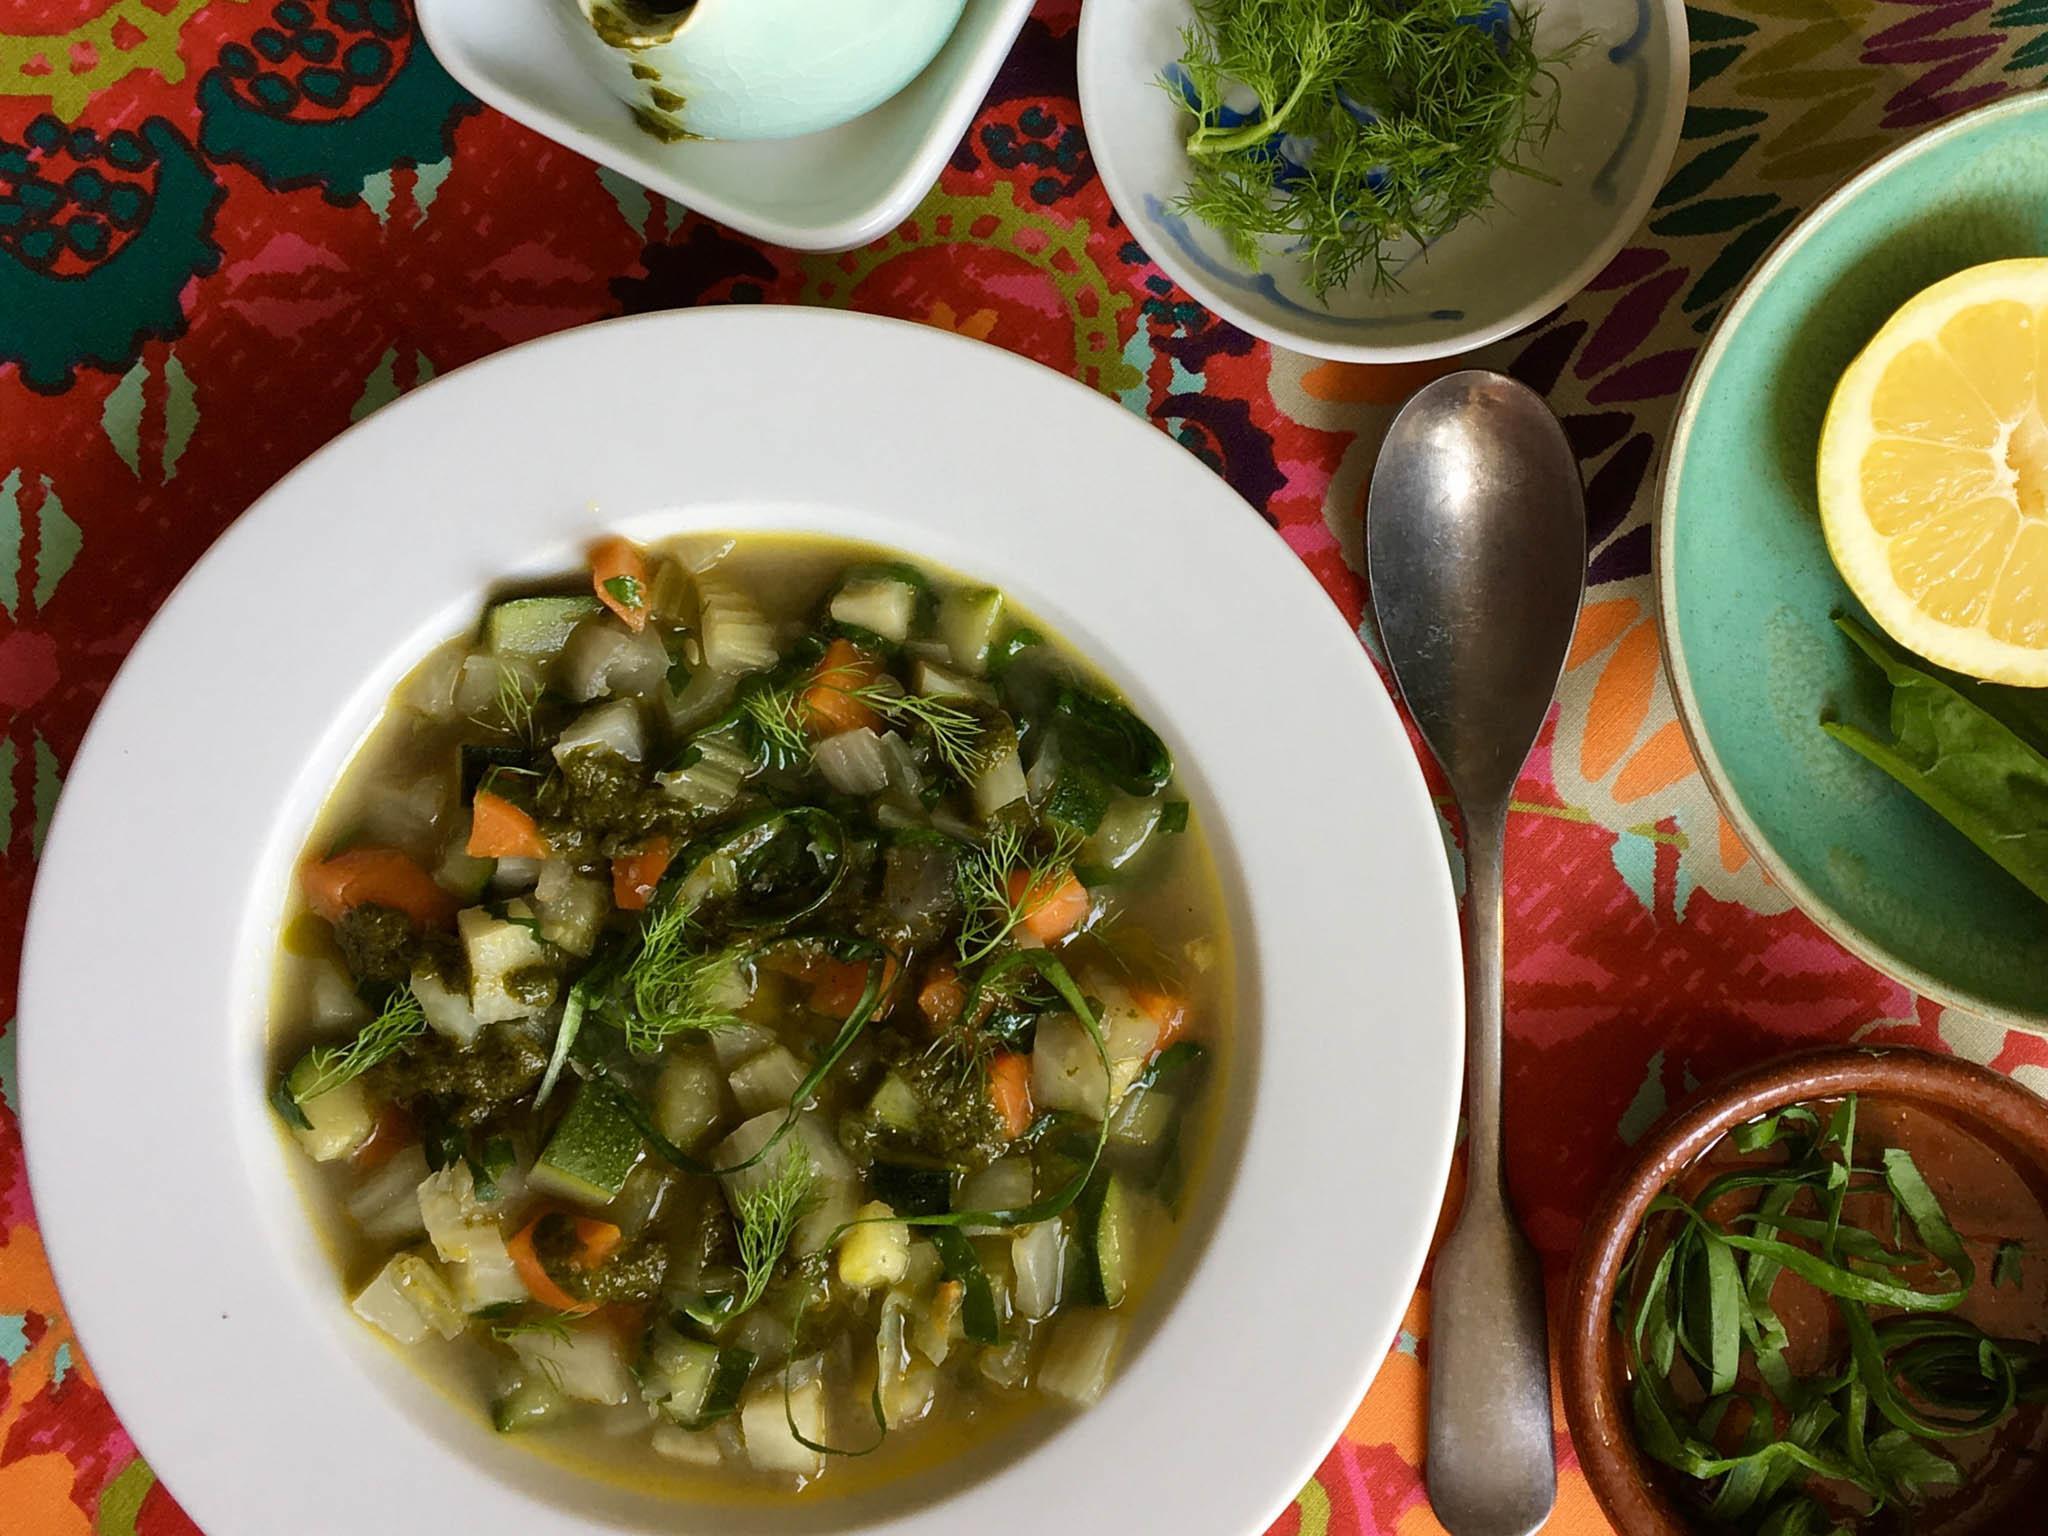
x=1934, y=474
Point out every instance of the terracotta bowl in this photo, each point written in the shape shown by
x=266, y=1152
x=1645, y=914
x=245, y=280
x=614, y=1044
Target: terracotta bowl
x=1993, y=1108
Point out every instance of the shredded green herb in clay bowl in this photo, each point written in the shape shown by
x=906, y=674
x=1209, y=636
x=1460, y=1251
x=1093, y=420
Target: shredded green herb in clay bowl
x=1831, y=1323
x=1351, y=132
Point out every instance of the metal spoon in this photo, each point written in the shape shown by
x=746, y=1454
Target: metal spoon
x=1476, y=544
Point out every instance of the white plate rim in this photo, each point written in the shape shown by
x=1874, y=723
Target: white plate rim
x=1342, y=1166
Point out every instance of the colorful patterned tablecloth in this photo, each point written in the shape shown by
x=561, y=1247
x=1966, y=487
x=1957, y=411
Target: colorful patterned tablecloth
x=228, y=228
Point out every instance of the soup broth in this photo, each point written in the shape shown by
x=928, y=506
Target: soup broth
x=759, y=1001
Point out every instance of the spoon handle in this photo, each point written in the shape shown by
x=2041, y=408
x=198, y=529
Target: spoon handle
x=1492, y=1467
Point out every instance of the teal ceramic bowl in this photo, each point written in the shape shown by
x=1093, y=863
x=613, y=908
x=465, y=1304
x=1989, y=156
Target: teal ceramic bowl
x=1747, y=594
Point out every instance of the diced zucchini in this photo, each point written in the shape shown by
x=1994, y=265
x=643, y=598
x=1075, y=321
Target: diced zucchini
x=527, y=1401
x=882, y=603
x=408, y=1299
x=1079, y=1356
x=689, y=1099
x=1038, y=1255
x=386, y=1205
x=895, y=1104
x=999, y=785
x=765, y=1424
x=571, y=906
x=735, y=634
x=1109, y=1238
x=692, y=1383
x=936, y=682
x=615, y=728
x=592, y=1150
x=767, y=1081
x=534, y=627
x=968, y=619
x=462, y=875
x=642, y=1198
x=584, y=1360
x=1078, y=798
x=338, y=1121
x=912, y=1189
x=497, y=951
x=876, y=1252
x=1066, y=1072
x=1144, y=1118
x=447, y=1010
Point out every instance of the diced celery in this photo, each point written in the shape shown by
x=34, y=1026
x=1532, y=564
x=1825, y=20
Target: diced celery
x=735, y=634
x=409, y=1298
x=968, y=617
x=488, y=1277
x=880, y=603
x=449, y=1209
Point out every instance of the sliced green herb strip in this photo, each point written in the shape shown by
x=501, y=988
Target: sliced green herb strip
x=977, y=1301
x=2007, y=1262
x=625, y=590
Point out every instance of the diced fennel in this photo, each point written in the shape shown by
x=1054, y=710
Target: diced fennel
x=511, y=875
x=1038, y=1254
x=968, y=617
x=604, y=658
x=583, y=1359
x=734, y=1043
x=853, y=762
x=460, y=874
x=571, y=906
x=386, y=1205
x=880, y=603
x=712, y=781
x=449, y=1210
x=735, y=634
x=615, y=727
x=765, y=1424
x=1066, y=1073
x=1009, y=1364
x=767, y=1081
x=1004, y=1185
x=876, y=1251
x=332, y=1003
x=447, y=1010
x=999, y=785
x=936, y=682
x=408, y=1299
x=1079, y=1355
x=430, y=690
x=939, y=1328
x=488, y=1277
x=497, y=950
x=691, y=1447
x=689, y=1099
x=907, y=1383
x=1143, y=1118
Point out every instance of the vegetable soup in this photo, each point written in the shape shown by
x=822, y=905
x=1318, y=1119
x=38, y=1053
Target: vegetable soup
x=759, y=1005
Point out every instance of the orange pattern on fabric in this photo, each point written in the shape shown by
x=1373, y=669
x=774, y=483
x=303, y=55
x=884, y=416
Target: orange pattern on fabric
x=1663, y=761
x=1621, y=702
x=1600, y=625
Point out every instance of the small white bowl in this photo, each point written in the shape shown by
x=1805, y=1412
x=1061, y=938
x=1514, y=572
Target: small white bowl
x=827, y=191
x=1623, y=100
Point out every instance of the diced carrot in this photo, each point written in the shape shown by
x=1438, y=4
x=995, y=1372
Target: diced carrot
x=832, y=702
x=1167, y=1009
x=1052, y=908
x=596, y=1241
x=834, y=987
x=1009, y=1084
x=498, y=829
x=618, y=572
x=391, y=1135
x=626, y=1321
x=375, y=877
x=635, y=875
x=941, y=997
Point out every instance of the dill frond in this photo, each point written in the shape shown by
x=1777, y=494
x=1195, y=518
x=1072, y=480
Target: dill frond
x=768, y=1218
x=984, y=874
x=956, y=732
x=673, y=988
x=378, y=1040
